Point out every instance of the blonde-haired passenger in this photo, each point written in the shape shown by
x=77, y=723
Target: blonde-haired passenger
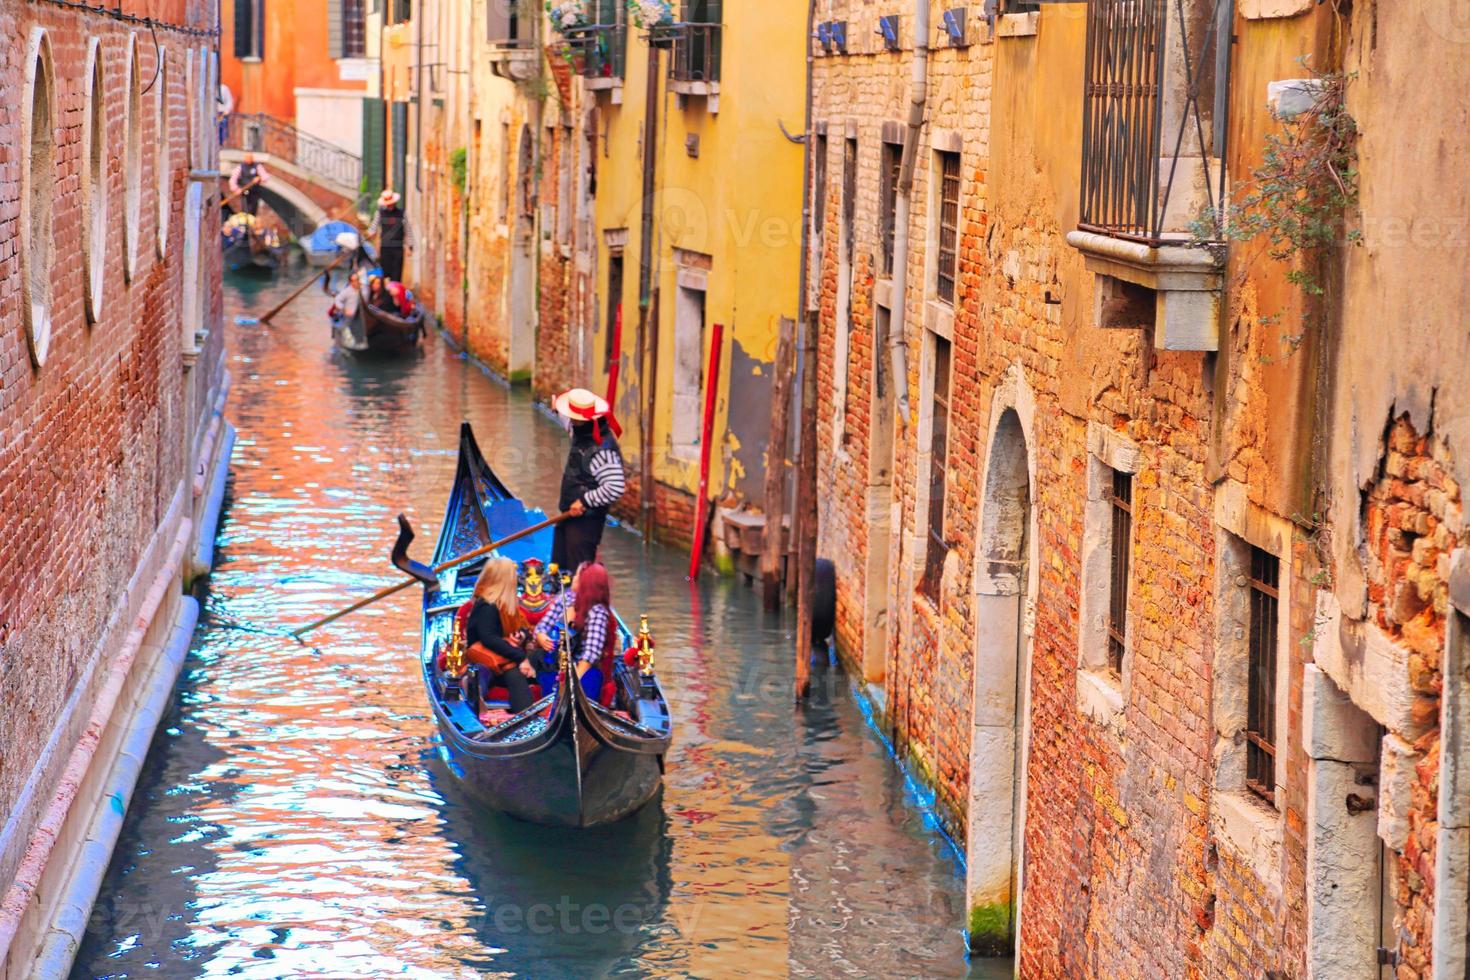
x=496, y=633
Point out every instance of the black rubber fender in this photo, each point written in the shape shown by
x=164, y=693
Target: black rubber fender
x=824, y=601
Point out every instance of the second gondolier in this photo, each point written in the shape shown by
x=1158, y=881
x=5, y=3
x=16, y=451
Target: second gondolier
x=594, y=478
x=390, y=225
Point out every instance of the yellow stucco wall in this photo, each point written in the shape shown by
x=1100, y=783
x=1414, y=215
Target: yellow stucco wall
x=738, y=202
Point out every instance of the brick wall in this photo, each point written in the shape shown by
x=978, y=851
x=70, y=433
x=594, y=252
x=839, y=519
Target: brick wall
x=1125, y=872
x=1413, y=522
x=96, y=440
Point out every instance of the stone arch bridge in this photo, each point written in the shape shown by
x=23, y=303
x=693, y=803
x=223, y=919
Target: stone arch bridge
x=311, y=180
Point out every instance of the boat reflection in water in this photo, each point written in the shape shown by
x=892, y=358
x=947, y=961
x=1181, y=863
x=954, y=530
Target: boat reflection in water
x=597, y=899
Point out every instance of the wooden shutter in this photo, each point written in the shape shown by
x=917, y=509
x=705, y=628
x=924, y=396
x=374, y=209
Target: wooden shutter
x=244, y=28
x=372, y=148
x=400, y=146
x=334, y=29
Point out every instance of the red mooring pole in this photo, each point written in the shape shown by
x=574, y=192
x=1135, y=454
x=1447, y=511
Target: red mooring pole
x=617, y=356
x=711, y=390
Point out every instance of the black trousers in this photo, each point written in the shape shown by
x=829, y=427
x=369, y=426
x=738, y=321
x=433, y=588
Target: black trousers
x=515, y=685
x=576, y=539
x=390, y=258
x=250, y=202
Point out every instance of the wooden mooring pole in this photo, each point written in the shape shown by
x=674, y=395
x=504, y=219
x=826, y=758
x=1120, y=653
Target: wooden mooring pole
x=774, y=546
x=804, y=522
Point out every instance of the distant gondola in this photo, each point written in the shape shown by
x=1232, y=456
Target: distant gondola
x=322, y=246
x=248, y=247
x=568, y=760
x=377, y=329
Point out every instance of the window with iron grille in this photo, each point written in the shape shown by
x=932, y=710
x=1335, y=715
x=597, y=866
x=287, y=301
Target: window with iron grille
x=849, y=199
x=888, y=203
x=1122, y=547
x=354, y=30
x=1260, y=734
x=819, y=217
x=249, y=28
x=938, y=469
x=819, y=190
x=1149, y=102
x=602, y=45
x=947, y=266
x=849, y=269
x=697, y=45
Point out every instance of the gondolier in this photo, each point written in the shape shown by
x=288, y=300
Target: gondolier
x=391, y=226
x=593, y=480
x=245, y=180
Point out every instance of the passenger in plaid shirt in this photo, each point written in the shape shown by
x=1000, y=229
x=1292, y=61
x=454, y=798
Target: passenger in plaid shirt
x=587, y=604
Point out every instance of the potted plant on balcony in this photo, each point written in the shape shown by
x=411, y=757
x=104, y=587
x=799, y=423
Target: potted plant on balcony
x=567, y=16
x=651, y=14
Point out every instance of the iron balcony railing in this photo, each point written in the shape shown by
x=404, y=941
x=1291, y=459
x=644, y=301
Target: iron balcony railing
x=259, y=133
x=598, y=50
x=1154, y=118
x=696, y=49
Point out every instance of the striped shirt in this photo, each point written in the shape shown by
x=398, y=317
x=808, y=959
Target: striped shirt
x=595, y=636
x=607, y=469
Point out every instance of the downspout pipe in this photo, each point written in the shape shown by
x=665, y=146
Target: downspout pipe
x=646, y=344
x=903, y=207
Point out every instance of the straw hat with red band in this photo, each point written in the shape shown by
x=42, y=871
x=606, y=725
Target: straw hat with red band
x=389, y=198
x=581, y=405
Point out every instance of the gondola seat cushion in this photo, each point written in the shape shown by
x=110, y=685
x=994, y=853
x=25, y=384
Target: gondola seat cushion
x=501, y=694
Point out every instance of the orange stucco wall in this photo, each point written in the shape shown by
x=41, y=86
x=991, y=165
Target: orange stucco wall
x=295, y=57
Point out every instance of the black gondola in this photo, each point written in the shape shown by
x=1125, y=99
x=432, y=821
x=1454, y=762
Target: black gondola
x=568, y=760
x=248, y=247
x=376, y=329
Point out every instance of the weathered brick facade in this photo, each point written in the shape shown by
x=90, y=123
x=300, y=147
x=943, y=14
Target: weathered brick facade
x=1145, y=852
x=108, y=433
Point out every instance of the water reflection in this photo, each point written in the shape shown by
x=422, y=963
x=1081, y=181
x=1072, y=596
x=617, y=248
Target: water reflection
x=294, y=819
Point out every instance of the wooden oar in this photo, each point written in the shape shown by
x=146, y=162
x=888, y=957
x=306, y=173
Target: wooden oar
x=239, y=192
x=302, y=288
x=454, y=563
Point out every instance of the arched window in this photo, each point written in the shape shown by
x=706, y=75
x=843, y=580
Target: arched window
x=132, y=161
x=37, y=184
x=162, y=159
x=94, y=182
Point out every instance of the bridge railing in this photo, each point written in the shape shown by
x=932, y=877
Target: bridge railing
x=259, y=133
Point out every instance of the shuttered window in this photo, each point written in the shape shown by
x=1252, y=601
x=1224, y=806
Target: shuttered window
x=346, y=29
x=372, y=148
x=250, y=28
x=399, y=120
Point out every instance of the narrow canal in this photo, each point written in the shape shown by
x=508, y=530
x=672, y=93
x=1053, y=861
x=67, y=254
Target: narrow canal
x=294, y=820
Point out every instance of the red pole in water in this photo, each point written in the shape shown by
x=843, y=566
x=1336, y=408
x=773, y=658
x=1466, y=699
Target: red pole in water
x=617, y=356
x=711, y=389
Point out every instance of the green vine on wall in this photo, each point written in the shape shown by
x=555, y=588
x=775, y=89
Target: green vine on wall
x=459, y=169
x=1298, y=201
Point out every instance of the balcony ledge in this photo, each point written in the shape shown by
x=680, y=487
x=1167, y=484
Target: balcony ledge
x=1187, y=283
x=516, y=63
x=693, y=87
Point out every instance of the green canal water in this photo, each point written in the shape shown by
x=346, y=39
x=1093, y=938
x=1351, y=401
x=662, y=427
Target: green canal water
x=294, y=819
